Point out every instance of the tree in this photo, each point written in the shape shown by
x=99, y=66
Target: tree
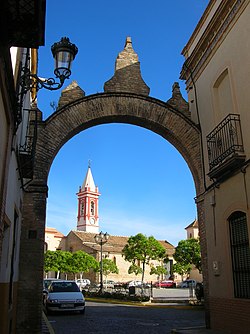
x=182, y=269
x=67, y=262
x=50, y=261
x=108, y=267
x=159, y=271
x=134, y=269
x=188, y=253
x=64, y=258
x=140, y=250
x=56, y=261
x=81, y=262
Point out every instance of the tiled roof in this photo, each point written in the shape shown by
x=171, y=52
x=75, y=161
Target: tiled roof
x=169, y=247
x=193, y=224
x=115, y=243
x=54, y=231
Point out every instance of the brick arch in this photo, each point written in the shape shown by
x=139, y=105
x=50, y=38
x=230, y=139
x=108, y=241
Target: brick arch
x=53, y=133
x=146, y=112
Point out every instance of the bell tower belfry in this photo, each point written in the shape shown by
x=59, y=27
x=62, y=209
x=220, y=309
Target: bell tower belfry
x=88, y=196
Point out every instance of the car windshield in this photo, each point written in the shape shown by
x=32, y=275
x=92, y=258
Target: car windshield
x=64, y=287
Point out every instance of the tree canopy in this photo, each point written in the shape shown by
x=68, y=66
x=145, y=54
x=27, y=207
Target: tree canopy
x=140, y=250
x=187, y=253
x=67, y=262
x=81, y=262
x=108, y=267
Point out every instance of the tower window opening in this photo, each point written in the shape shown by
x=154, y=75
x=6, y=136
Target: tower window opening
x=82, y=208
x=92, y=208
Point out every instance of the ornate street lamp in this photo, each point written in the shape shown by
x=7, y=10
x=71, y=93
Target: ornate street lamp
x=101, y=239
x=64, y=53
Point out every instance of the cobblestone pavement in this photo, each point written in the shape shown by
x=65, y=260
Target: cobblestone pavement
x=162, y=298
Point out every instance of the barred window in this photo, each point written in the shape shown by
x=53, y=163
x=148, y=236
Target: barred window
x=240, y=254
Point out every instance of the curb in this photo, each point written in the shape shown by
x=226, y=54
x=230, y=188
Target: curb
x=46, y=326
x=152, y=304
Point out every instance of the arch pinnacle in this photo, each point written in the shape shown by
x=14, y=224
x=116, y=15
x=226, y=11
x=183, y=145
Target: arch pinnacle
x=127, y=77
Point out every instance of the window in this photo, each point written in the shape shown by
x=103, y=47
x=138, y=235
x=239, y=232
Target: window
x=82, y=208
x=223, y=100
x=92, y=208
x=240, y=254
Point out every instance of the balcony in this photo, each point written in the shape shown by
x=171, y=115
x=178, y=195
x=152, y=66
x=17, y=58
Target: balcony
x=225, y=148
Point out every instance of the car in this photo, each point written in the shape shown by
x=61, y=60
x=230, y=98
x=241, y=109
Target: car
x=46, y=284
x=137, y=284
x=83, y=283
x=108, y=284
x=188, y=283
x=120, y=285
x=64, y=296
x=165, y=284
x=48, y=281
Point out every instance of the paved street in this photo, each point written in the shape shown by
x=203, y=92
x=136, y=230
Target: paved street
x=112, y=318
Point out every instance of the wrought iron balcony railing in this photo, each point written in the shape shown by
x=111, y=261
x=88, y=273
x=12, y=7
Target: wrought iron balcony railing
x=225, y=146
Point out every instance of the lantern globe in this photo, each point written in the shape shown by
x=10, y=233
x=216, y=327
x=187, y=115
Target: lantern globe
x=64, y=53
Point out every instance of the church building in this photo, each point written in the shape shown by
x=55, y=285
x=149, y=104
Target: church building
x=87, y=227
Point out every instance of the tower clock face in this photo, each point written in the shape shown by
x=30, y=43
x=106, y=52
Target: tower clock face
x=92, y=220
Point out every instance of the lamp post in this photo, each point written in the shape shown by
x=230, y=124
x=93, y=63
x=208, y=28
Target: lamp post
x=101, y=239
x=64, y=53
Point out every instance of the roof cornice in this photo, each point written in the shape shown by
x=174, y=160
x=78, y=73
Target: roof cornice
x=217, y=29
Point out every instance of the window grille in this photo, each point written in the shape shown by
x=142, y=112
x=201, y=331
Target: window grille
x=240, y=254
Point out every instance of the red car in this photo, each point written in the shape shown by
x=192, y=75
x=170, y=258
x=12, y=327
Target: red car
x=165, y=284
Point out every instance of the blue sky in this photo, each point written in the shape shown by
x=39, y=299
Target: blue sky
x=145, y=184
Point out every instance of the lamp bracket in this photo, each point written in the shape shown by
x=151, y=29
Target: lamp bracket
x=29, y=81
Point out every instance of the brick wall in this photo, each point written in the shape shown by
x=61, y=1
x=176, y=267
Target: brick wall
x=230, y=314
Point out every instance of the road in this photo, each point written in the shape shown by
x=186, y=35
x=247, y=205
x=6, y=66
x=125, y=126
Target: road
x=112, y=318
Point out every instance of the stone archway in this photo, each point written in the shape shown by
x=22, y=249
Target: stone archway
x=53, y=133
x=129, y=108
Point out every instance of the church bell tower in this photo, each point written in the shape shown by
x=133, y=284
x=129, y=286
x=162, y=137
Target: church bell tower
x=88, y=196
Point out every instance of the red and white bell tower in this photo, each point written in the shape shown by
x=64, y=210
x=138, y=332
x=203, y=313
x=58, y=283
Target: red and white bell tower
x=88, y=196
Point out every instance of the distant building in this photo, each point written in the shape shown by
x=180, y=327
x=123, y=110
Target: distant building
x=53, y=239
x=193, y=232
x=88, y=227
